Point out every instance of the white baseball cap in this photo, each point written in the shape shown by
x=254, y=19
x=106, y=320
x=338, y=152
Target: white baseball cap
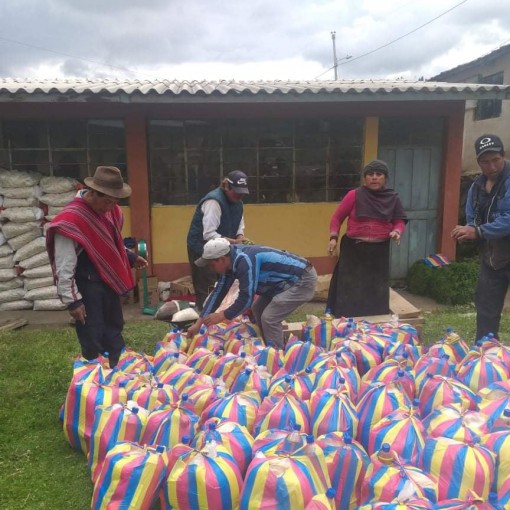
x=213, y=249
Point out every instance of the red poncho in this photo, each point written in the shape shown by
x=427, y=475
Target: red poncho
x=101, y=238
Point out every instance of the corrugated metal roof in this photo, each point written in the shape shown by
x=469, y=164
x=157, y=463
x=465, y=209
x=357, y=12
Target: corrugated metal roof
x=229, y=89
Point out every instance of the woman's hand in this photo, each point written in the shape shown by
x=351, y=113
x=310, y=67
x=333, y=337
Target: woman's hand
x=194, y=329
x=332, y=246
x=140, y=263
x=395, y=235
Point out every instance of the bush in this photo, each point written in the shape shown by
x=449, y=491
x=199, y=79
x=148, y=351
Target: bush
x=451, y=285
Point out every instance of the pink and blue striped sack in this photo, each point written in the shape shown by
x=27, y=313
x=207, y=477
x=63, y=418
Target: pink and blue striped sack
x=300, y=384
x=378, y=401
x=78, y=412
x=131, y=361
x=455, y=422
x=239, y=407
x=252, y=378
x=499, y=444
x=112, y=424
x=168, y=424
x=404, y=430
x=474, y=467
x=283, y=481
x=438, y=390
x=427, y=364
x=324, y=501
x=271, y=441
x=270, y=358
x=495, y=398
x=203, y=480
x=332, y=411
x=233, y=437
x=153, y=395
x=299, y=355
x=282, y=412
x=131, y=477
x=341, y=378
x=480, y=370
x=347, y=463
x=387, y=479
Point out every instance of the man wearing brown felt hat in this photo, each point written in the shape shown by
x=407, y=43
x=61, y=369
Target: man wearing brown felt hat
x=91, y=266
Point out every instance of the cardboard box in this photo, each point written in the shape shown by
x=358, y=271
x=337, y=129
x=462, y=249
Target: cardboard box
x=182, y=287
x=152, y=289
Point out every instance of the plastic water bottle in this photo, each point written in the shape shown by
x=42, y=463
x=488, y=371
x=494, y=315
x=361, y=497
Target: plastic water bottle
x=394, y=320
x=293, y=441
x=385, y=455
x=328, y=315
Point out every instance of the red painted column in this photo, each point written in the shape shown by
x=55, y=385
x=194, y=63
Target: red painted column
x=138, y=177
x=452, y=169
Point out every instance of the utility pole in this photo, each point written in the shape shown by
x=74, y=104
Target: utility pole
x=335, y=61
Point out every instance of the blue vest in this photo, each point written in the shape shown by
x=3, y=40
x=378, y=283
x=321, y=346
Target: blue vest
x=231, y=215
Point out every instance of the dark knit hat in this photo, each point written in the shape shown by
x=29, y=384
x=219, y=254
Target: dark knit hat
x=377, y=165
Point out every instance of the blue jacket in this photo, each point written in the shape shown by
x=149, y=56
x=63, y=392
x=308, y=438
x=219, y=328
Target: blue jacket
x=496, y=223
x=231, y=216
x=260, y=270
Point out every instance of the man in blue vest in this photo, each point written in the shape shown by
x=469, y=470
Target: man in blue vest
x=282, y=280
x=218, y=214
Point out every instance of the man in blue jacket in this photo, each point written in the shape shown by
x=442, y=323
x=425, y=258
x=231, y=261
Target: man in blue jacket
x=488, y=222
x=218, y=214
x=282, y=280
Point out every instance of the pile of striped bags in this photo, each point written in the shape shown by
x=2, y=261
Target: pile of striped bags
x=355, y=416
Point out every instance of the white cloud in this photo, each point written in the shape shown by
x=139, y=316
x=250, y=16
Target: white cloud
x=233, y=39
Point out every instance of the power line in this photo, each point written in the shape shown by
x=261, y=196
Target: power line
x=405, y=35
x=90, y=61
x=395, y=40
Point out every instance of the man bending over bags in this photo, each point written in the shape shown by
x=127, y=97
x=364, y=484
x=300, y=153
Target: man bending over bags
x=282, y=280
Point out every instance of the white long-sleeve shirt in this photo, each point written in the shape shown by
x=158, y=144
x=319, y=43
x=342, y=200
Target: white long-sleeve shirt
x=211, y=210
x=66, y=259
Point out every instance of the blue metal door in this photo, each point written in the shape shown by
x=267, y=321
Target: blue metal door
x=415, y=175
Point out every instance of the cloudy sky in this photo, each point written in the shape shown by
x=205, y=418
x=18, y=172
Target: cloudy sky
x=246, y=39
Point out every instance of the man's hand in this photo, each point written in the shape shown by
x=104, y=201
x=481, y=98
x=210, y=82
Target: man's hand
x=466, y=233
x=215, y=318
x=140, y=263
x=194, y=328
x=79, y=314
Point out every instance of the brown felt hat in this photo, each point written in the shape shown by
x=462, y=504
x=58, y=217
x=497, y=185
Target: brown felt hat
x=108, y=180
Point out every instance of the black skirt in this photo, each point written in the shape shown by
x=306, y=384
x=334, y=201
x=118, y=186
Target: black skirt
x=360, y=284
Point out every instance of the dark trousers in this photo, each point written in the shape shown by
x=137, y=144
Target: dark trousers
x=102, y=331
x=490, y=298
x=203, y=279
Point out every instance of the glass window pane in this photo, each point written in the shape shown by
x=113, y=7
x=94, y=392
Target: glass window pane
x=68, y=135
x=104, y=134
x=25, y=134
x=275, y=175
x=166, y=134
x=168, y=177
x=202, y=134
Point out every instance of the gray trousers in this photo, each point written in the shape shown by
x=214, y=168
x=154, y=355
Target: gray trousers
x=269, y=312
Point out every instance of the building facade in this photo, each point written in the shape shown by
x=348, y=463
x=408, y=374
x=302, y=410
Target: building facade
x=302, y=145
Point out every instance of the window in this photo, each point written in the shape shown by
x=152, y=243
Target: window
x=62, y=148
x=489, y=108
x=286, y=161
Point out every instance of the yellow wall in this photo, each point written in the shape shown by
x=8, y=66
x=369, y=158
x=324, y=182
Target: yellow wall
x=300, y=228
x=126, y=229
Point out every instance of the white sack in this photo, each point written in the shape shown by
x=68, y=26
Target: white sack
x=14, y=283
x=3, y=239
x=40, y=259
x=49, y=292
x=22, y=214
x=20, y=202
x=35, y=283
x=49, y=304
x=12, y=295
x=24, y=192
x=33, y=247
x=17, y=242
x=5, y=250
x=6, y=262
x=57, y=184
x=38, y=272
x=7, y=274
x=16, y=305
x=10, y=229
x=58, y=199
x=19, y=179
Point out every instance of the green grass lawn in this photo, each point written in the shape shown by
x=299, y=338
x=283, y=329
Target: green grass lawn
x=37, y=467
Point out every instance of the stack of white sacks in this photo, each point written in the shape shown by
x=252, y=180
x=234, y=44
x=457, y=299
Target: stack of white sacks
x=26, y=279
